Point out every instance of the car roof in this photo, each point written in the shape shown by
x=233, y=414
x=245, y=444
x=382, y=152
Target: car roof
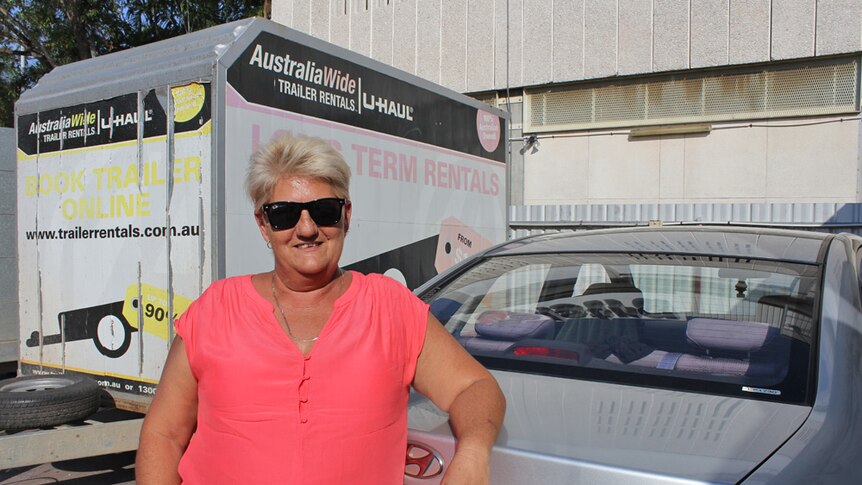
x=737, y=242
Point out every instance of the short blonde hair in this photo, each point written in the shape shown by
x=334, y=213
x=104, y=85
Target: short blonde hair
x=289, y=156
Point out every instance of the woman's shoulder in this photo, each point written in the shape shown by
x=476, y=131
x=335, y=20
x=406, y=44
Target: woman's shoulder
x=233, y=294
x=227, y=286
x=382, y=288
x=382, y=282
x=230, y=283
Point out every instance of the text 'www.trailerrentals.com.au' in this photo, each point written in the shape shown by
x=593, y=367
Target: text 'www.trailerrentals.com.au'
x=114, y=233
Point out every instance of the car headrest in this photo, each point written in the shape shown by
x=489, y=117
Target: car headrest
x=598, y=288
x=503, y=325
x=735, y=335
x=444, y=308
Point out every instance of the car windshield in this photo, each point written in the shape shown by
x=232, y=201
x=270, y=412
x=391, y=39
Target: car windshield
x=711, y=324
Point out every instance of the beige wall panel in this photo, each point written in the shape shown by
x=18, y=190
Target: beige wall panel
x=600, y=38
x=508, y=43
x=725, y=165
x=814, y=163
x=749, y=31
x=557, y=173
x=428, y=40
x=282, y=12
x=709, y=32
x=670, y=35
x=743, y=164
x=360, y=28
x=793, y=28
x=671, y=169
x=453, y=45
x=838, y=26
x=339, y=24
x=381, y=31
x=481, y=28
x=623, y=171
x=635, y=44
x=404, y=48
x=538, y=42
x=568, y=40
x=301, y=15
x=320, y=19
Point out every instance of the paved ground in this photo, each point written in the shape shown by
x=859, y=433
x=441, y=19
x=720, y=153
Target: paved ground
x=110, y=469
x=100, y=470
x=116, y=469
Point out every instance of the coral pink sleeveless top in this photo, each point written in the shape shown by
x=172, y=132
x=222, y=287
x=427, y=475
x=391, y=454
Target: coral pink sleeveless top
x=269, y=415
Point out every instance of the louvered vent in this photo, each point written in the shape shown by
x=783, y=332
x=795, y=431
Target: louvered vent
x=824, y=88
x=487, y=98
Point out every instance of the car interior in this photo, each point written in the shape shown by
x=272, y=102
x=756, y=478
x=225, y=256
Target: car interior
x=740, y=322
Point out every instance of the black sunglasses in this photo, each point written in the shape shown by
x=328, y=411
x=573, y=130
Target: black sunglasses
x=285, y=215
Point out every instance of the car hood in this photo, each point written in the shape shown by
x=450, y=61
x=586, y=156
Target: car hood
x=557, y=430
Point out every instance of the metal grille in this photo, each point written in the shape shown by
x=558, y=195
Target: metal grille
x=732, y=95
x=826, y=217
x=674, y=99
x=814, y=87
x=561, y=107
x=621, y=103
x=828, y=87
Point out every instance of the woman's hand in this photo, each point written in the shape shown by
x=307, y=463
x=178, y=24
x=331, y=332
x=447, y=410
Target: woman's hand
x=470, y=466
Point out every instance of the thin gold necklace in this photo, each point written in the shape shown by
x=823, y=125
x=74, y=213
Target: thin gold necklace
x=278, y=305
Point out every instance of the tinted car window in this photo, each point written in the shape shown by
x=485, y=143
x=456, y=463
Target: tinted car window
x=712, y=324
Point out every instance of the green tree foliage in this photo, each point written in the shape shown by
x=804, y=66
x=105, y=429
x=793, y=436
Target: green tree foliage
x=39, y=35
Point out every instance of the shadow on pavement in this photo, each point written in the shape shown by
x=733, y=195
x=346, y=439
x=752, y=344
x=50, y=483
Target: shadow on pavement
x=99, y=470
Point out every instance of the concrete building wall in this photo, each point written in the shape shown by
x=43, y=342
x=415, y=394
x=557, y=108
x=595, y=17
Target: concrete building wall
x=8, y=248
x=504, y=46
x=558, y=41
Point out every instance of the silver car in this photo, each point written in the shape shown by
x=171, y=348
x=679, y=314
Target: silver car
x=660, y=355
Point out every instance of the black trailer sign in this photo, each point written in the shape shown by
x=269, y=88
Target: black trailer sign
x=288, y=76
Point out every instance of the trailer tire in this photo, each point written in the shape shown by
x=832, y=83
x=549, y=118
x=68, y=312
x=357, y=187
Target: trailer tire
x=44, y=401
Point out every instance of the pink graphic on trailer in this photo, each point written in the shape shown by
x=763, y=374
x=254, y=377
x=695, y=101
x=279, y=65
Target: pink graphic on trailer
x=488, y=127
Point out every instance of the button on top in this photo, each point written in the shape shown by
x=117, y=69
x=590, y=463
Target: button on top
x=303, y=391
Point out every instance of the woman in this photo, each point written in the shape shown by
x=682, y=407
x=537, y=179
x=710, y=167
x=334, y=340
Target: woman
x=301, y=374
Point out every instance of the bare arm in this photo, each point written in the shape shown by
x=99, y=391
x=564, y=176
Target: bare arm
x=170, y=421
x=459, y=385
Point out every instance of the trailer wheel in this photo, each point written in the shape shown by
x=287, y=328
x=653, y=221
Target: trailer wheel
x=45, y=401
x=113, y=336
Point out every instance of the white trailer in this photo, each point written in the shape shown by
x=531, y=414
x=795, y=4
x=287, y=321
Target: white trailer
x=130, y=185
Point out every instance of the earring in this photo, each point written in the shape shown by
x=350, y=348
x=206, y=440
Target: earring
x=268, y=245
